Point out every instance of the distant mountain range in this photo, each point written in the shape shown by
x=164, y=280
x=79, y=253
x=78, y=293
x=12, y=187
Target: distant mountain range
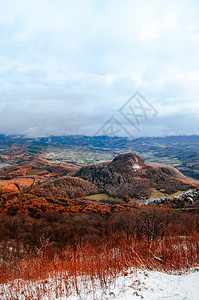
x=181, y=152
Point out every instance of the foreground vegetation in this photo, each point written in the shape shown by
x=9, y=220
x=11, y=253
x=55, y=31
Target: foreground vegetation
x=63, y=228
x=68, y=245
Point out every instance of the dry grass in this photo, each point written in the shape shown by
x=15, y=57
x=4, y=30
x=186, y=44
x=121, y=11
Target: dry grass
x=153, y=241
x=157, y=194
x=99, y=197
x=76, y=267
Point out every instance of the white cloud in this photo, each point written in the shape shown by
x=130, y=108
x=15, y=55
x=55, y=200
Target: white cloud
x=86, y=58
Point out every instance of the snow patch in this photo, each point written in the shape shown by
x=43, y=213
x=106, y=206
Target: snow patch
x=136, y=167
x=134, y=284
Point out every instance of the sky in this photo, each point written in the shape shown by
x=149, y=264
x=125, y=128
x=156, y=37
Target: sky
x=86, y=66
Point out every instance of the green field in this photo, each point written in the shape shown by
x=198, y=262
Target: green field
x=100, y=197
x=157, y=194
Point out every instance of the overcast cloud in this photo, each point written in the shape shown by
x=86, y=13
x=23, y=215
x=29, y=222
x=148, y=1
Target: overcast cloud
x=67, y=66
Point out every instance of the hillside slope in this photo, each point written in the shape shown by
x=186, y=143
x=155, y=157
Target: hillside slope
x=128, y=174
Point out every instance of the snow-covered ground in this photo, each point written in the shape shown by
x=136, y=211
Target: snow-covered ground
x=141, y=284
x=150, y=285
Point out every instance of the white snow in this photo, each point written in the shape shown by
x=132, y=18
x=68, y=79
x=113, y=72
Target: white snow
x=150, y=285
x=156, y=286
x=136, y=167
x=135, y=284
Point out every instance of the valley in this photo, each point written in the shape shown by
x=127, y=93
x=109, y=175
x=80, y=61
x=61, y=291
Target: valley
x=79, y=212
x=81, y=172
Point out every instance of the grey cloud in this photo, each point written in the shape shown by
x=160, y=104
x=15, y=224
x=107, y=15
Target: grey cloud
x=68, y=66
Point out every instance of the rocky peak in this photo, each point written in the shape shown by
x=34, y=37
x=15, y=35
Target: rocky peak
x=132, y=158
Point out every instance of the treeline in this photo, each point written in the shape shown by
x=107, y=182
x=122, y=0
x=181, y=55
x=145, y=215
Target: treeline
x=153, y=223
x=65, y=187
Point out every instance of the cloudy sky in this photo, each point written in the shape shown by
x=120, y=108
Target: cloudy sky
x=68, y=66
